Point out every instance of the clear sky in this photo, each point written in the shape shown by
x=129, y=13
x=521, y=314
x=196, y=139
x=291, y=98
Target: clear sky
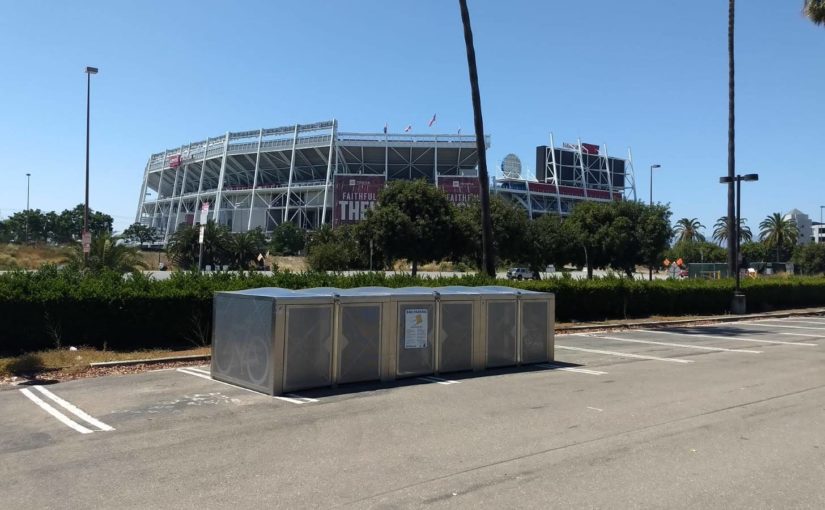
x=649, y=74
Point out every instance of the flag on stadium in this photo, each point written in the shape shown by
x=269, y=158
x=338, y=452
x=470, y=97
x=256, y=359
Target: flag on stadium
x=174, y=161
x=408, y=128
x=432, y=121
x=459, y=131
x=385, y=128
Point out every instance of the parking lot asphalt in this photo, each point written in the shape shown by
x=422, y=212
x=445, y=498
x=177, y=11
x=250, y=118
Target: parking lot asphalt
x=720, y=416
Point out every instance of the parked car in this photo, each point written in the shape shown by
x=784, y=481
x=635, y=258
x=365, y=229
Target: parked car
x=520, y=273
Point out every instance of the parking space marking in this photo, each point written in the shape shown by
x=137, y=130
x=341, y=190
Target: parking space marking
x=554, y=366
x=731, y=338
x=623, y=354
x=437, y=380
x=781, y=326
x=200, y=370
x=797, y=321
x=91, y=420
x=802, y=334
x=669, y=344
x=65, y=420
x=296, y=399
x=187, y=371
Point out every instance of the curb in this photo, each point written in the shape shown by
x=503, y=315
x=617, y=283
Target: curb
x=694, y=320
x=150, y=361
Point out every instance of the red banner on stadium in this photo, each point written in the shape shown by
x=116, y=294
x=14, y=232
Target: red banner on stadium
x=354, y=196
x=459, y=190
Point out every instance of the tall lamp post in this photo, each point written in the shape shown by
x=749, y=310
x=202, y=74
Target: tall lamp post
x=650, y=268
x=738, y=305
x=820, y=229
x=28, y=187
x=87, y=238
x=651, y=181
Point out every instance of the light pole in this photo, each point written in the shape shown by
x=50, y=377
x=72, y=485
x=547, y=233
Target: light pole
x=28, y=187
x=738, y=297
x=651, y=181
x=650, y=268
x=821, y=227
x=87, y=239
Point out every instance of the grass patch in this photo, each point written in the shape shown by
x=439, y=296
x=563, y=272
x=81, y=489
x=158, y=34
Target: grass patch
x=64, y=359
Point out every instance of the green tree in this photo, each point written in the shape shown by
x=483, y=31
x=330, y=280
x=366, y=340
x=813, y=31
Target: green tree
x=344, y=247
x=488, y=253
x=510, y=231
x=809, y=258
x=547, y=242
x=720, y=231
x=245, y=247
x=105, y=253
x=411, y=220
x=697, y=252
x=140, y=233
x=588, y=228
x=288, y=239
x=814, y=10
x=754, y=252
x=688, y=230
x=654, y=232
x=183, y=247
x=778, y=233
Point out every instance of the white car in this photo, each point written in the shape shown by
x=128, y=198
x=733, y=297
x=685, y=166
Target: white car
x=520, y=273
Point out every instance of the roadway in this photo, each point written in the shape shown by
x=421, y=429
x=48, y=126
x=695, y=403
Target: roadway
x=721, y=416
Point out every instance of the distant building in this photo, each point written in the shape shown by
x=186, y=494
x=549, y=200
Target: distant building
x=818, y=234
x=803, y=223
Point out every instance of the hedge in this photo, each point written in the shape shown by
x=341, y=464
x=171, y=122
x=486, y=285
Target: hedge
x=53, y=308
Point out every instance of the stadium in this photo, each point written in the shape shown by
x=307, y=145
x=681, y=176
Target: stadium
x=314, y=174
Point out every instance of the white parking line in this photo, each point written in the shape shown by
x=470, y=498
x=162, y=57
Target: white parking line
x=686, y=346
x=200, y=370
x=296, y=399
x=802, y=334
x=796, y=321
x=623, y=354
x=781, y=326
x=438, y=380
x=65, y=420
x=91, y=420
x=554, y=366
x=731, y=338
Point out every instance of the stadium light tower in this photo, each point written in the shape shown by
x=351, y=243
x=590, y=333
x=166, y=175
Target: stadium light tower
x=738, y=298
x=86, y=238
x=651, y=181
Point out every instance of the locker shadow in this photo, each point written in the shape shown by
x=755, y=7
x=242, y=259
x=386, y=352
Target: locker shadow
x=724, y=330
x=353, y=389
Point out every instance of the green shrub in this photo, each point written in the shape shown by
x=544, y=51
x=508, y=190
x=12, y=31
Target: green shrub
x=52, y=307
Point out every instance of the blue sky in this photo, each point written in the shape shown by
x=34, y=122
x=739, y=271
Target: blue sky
x=647, y=74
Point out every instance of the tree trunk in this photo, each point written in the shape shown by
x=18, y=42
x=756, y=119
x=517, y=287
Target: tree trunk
x=488, y=257
x=731, y=141
x=414, y=267
x=589, y=272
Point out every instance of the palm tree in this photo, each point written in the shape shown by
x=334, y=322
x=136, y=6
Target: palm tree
x=687, y=230
x=731, y=137
x=814, y=10
x=488, y=257
x=183, y=247
x=720, y=231
x=778, y=232
x=106, y=252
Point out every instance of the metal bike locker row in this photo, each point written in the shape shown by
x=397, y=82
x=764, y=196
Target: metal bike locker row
x=276, y=340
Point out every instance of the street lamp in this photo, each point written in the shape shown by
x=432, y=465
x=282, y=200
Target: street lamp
x=651, y=181
x=28, y=186
x=87, y=238
x=738, y=297
x=650, y=268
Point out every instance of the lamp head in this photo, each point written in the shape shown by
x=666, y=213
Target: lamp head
x=655, y=166
x=91, y=70
x=750, y=177
x=725, y=180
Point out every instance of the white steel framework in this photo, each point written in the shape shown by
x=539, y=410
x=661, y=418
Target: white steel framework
x=264, y=177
